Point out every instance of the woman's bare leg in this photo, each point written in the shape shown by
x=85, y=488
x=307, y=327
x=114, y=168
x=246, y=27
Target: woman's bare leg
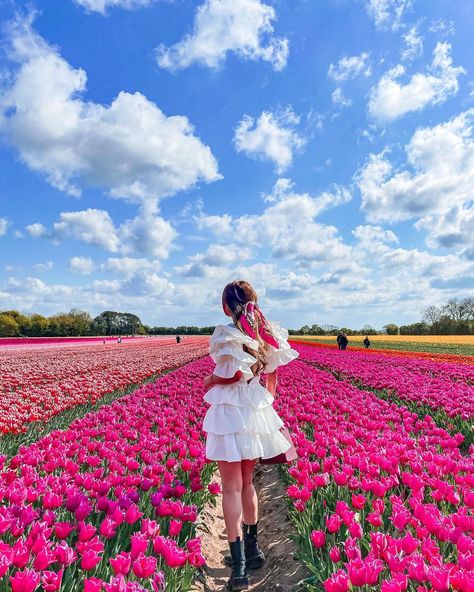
x=249, y=495
x=231, y=476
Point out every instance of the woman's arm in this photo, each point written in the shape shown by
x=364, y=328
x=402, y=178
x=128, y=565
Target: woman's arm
x=212, y=379
x=272, y=381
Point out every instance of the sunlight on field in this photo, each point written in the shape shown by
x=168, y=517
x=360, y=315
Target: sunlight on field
x=457, y=339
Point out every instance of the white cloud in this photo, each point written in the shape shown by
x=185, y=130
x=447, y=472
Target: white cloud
x=127, y=266
x=148, y=233
x=339, y=99
x=36, y=230
x=214, y=261
x=243, y=27
x=3, y=226
x=91, y=226
x=270, y=137
x=287, y=226
x=436, y=188
x=350, y=67
x=101, y=6
x=44, y=266
x=442, y=27
x=129, y=147
x=413, y=44
x=387, y=13
x=390, y=100
x=83, y=265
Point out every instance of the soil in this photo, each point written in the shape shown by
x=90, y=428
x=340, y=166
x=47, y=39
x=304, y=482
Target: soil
x=281, y=572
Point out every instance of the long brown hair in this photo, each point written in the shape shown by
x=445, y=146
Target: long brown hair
x=235, y=296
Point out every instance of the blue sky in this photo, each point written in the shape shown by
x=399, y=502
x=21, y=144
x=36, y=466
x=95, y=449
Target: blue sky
x=153, y=150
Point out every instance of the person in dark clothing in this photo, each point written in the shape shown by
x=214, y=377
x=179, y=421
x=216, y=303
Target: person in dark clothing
x=338, y=339
x=367, y=342
x=343, y=341
x=178, y=339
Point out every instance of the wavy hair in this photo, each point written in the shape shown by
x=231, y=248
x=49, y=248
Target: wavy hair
x=235, y=296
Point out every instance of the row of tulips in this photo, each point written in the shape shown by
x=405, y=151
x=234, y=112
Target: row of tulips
x=382, y=499
x=38, y=383
x=404, y=349
x=448, y=387
x=54, y=341
x=111, y=503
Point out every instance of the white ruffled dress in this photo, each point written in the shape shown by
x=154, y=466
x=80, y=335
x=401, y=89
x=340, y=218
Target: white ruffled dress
x=241, y=422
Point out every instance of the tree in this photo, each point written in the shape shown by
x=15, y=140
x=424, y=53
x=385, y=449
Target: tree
x=454, y=309
x=8, y=326
x=468, y=307
x=432, y=314
x=116, y=323
x=39, y=325
x=391, y=329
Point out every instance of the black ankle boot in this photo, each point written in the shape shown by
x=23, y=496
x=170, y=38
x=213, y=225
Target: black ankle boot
x=238, y=578
x=254, y=556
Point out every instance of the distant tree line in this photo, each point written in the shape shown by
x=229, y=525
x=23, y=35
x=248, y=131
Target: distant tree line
x=181, y=330
x=332, y=330
x=456, y=317
x=77, y=323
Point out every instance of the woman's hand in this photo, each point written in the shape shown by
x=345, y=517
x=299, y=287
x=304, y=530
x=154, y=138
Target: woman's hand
x=208, y=381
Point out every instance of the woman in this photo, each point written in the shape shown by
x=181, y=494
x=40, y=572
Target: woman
x=241, y=424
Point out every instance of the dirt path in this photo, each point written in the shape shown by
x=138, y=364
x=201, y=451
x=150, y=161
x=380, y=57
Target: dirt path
x=280, y=572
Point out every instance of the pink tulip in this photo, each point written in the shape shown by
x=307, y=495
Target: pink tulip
x=175, y=528
x=51, y=581
x=318, y=538
x=25, y=581
x=333, y=523
x=90, y=560
x=335, y=554
x=93, y=585
x=121, y=564
x=338, y=582
x=158, y=582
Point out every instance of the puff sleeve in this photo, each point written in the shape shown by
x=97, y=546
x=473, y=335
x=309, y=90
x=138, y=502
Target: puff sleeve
x=227, y=352
x=284, y=354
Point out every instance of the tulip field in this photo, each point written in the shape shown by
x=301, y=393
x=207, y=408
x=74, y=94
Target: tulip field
x=381, y=496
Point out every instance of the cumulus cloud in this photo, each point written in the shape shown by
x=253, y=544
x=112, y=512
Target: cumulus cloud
x=287, y=226
x=36, y=230
x=101, y=6
x=390, y=100
x=350, y=67
x=46, y=266
x=130, y=147
x=91, y=226
x=436, y=188
x=387, y=13
x=339, y=99
x=243, y=27
x=413, y=44
x=3, y=226
x=214, y=261
x=83, y=265
x=270, y=137
x=127, y=266
x=147, y=234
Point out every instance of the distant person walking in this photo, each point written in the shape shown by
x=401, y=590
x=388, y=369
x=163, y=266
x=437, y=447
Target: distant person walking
x=178, y=339
x=366, y=342
x=343, y=341
x=119, y=340
x=338, y=339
